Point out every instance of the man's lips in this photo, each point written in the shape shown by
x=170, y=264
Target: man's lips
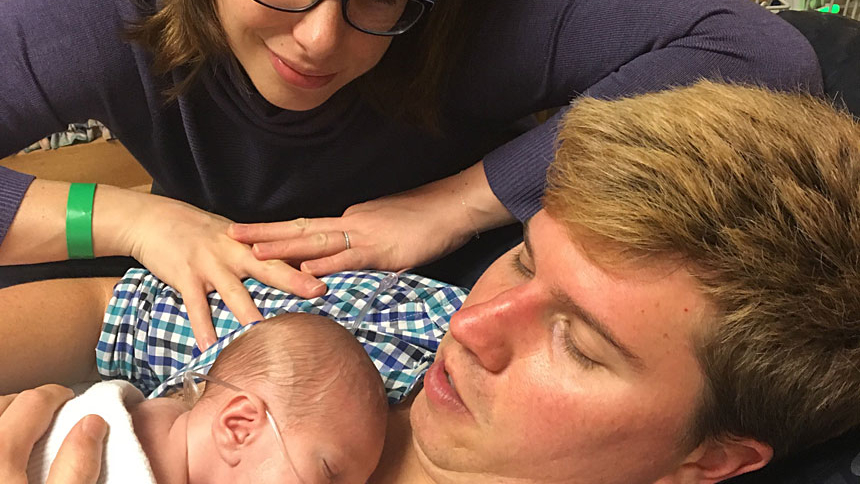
x=441, y=389
x=299, y=77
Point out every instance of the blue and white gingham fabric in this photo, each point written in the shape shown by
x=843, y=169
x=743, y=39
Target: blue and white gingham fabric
x=146, y=338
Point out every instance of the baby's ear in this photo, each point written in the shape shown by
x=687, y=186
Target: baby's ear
x=237, y=425
x=716, y=460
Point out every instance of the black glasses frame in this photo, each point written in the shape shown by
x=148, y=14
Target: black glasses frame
x=425, y=5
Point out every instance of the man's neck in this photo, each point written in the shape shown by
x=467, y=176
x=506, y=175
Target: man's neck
x=160, y=425
x=399, y=463
x=403, y=463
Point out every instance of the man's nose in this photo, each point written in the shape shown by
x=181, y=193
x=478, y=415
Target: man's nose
x=499, y=329
x=319, y=30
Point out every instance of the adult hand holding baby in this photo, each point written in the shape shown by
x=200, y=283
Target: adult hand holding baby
x=393, y=233
x=24, y=417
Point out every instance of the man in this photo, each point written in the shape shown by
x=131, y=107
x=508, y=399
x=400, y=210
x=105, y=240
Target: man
x=684, y=309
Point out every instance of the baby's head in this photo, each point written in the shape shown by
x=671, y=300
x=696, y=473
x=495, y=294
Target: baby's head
x=321, y=387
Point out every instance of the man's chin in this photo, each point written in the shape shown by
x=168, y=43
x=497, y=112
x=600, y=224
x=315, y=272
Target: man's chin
x=442, y=446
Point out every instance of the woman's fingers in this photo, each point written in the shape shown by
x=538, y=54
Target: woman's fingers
x=269, y=232
x=393, y=232
x=281, y=275
x=199, y=315
x=235, y=295
x=347, y=260
x=226, y=279
x=195, y=252
x=23, y=422
x=80, y=456
x=309, y=246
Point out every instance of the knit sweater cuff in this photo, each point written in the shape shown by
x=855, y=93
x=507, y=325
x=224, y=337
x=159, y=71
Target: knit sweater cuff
x=13, y=185
x=517, y=170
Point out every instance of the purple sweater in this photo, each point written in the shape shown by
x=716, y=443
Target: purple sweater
x=230, y=152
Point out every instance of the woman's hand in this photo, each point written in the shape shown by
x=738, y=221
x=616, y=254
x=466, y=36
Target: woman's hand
x=184, y=246
x=25, y=417
x=390, y=233
x=189, y=249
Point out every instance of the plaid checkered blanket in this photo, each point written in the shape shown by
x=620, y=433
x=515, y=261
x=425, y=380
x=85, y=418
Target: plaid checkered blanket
x=146, y=338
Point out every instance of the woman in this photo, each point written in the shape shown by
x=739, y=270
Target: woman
x=271, y=110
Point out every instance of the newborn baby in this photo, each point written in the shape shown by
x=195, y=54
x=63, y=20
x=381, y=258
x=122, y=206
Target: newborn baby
x=310, y=374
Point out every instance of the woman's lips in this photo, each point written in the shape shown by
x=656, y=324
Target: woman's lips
x=439, y=389
x=296, y=78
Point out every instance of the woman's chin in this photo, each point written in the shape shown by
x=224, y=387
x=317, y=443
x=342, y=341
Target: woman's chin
x=293, y=99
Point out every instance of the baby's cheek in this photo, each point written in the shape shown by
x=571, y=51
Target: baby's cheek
x=272, y=471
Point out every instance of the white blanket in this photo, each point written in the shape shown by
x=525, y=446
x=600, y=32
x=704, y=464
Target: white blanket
x=123, y=460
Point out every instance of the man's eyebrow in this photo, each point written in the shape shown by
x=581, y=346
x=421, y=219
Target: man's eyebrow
x=589, y=319
x=526, y=239
x=597, y=326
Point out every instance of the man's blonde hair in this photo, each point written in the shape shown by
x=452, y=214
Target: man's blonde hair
x=758, y=194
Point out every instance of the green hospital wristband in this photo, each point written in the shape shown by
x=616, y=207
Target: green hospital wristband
x=79, y=220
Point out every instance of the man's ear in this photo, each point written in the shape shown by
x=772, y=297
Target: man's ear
x=716, y=460
x=237, y=424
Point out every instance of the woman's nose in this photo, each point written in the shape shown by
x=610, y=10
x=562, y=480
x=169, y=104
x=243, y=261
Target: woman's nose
x=320, y=29
x=495, y=331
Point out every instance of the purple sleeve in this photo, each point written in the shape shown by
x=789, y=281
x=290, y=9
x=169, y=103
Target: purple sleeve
x=61, y=64
x=13, y=185
x=57, y=62
x=629, y=47
x=24, y=114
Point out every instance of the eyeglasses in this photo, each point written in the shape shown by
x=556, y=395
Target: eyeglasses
x=191, y=393
x=375, y=17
